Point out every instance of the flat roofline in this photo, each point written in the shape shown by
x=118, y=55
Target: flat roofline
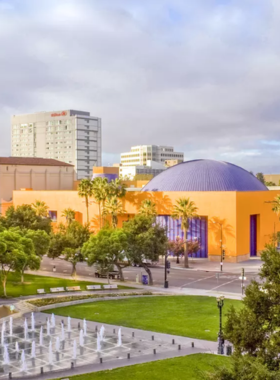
x=52, y=111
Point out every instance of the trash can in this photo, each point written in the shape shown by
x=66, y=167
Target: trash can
x=144, y=279
x=229, y=350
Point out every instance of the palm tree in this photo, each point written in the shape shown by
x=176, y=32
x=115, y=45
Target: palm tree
x=185, y=210
x=148, y=208
x=116, y=188
x=40, y=208
x=113, y=207
x=100, y=193
x=276, y=205
x=69, y=214
x=85, y=190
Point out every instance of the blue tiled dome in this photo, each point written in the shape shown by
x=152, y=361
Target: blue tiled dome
x=205, y=175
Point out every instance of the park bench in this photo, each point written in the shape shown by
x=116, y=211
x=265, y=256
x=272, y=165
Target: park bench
x=110, y=286
x=93, y=287
x=41, y=291
x=73, y=288
x=57, y=290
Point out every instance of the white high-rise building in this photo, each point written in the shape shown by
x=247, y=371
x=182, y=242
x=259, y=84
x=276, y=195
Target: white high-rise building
x=140, y=155
x=69, y=136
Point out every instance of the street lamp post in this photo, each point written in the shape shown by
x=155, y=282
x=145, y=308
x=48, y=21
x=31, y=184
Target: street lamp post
x=220, y=304
x=165, y=271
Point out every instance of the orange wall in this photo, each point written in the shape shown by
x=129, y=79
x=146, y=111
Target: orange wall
x=232, y=209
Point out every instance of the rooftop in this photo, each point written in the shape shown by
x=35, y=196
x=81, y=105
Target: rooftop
x=32, y=161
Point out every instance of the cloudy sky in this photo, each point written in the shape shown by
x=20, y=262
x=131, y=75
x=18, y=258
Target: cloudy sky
x=203, y=75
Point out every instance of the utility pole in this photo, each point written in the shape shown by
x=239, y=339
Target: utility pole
x=242, y=278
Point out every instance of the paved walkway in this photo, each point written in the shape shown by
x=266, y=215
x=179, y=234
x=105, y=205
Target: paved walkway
x=200, y=346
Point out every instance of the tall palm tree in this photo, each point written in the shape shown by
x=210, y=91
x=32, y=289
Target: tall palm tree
x=148, y=208
x=185, y=209
x=116, y=188
x=113, y=207
x=100, y=193
x=69, y=214
x=40, y=208
x=85, y=190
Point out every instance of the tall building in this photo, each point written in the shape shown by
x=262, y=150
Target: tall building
x=139, y=155
x=70, y=136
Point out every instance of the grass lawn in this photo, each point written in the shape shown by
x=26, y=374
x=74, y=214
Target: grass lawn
x=192, y=316
x=192, y=367
x=32, y=283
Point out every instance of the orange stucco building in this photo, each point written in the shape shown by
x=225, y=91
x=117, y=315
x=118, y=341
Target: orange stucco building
x=235, y=211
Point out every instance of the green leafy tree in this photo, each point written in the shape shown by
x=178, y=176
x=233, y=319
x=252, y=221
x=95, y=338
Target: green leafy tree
x=147, y=241
x=15, y=253
x=40, y=208
x=185, y=210
x=260, y=177
x=107, y=248
x=25, y=217
x=254, y=329
x=69, y=215
x=100, y=193
x=113, y=207
x=85, y=190
x=270, y=183
x=148, y=208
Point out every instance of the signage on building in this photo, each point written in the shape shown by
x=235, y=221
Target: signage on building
x=63, y=113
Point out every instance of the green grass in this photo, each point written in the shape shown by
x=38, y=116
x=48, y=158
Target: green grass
x=32, y=283
x=192, y=367
x=192, y=316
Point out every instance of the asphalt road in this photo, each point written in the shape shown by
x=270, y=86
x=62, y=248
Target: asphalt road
x=206, y=280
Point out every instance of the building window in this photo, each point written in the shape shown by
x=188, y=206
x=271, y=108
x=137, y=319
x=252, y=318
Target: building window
x=53, y=215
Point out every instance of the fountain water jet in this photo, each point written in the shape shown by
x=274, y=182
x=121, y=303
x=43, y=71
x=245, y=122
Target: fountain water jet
x=6, y=358
x=11, y=326
x=25, y=330
x=69, y=324
x=23, y=362
x=57, y=344
x=74, y=350
x=85, y=327
x=33, y=350
x=17, y=347
x=41, y=337
x=98, y=343
x=81, y=338
x=48, y=328
x=50, y=353
x=3, y=333
x=32, y=322
x=102, y=332
x=119, y=338
x=53, y=320
x=62, y=333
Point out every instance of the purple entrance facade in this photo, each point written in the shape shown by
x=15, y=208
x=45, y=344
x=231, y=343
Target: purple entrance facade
x=253, y=235
x=198, y=230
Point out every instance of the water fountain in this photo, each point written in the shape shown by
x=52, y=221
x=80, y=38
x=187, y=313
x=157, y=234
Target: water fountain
x=25, y=330
x=3, y=333
x=11, y=326
x=41, y=337
x=50, y=354
x=98, y=343
x=6, y=358
x=33, y=350
x=102, y=332
x=74, y=350
x=32, y=322
x=17, y=347
x=81, y=338
x=62, y=333
x=53, y=320
x=23, y=362
x=119, y=338
x=85, y=327
x=57, y=344
x=48, y=328
x=69, y=324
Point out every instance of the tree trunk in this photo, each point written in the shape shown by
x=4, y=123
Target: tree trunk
x=186, y=261
x=108, y=277
x=22, y=277
x=120, y=272
x=87, y=209
x=4, y=286
x=148, y=270
x=178, y=261
x=74, y=271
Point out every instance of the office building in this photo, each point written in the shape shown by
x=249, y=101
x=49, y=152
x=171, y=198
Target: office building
x=139, y=155
x=70, y=136
x=152, y=168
